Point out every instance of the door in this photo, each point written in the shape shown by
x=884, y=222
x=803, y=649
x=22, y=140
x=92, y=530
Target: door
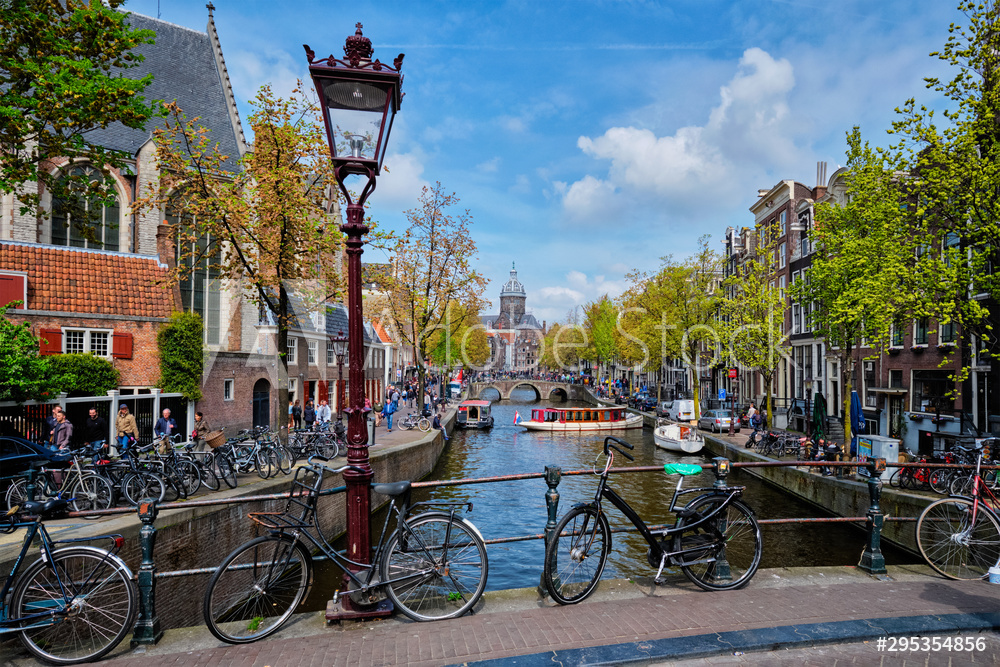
x=262, y=403
x=895, y=416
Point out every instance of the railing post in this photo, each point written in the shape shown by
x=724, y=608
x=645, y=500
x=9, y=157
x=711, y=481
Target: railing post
x=147, y=627
x=872, y=560
x=29, y=489
x=721, y=470
x=552, y=476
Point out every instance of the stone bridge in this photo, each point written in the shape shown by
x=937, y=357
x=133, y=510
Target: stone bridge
x=543, y=389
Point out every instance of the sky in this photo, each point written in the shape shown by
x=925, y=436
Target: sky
x=592, y=138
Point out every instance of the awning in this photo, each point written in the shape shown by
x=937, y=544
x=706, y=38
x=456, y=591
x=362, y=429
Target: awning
x=888, y=390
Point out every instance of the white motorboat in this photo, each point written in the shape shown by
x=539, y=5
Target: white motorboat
x=677, y=437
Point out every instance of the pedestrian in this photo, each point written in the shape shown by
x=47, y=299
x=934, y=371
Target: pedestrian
x=297, y=414
x=438, y=425
x=379, y=411
x=95, y=431
x=309, y=415
x=323, y=414
x=164, y=428
x=291, y=415
x=201, y=430
x=62, y=433
x=389, y=410
x=125, y=429
x=50, y=424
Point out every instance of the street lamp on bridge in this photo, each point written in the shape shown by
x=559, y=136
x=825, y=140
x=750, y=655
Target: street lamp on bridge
x=340, y=342
x=359, y=98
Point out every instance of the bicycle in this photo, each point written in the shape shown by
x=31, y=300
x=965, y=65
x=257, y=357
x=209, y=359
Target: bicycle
x=960, y=536
x=715, y=539
x=86, y=489
x=432, y=566
x=413, y=419
x=73, y=604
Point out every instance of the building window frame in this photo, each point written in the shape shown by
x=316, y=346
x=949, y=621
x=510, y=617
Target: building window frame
x=312, y=352
x=228, y=385
x=920, y=332
x=292, y=353
x=106, y=231
x=90, y=341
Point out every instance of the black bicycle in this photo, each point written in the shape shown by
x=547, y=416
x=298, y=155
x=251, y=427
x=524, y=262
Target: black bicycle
x=74, y=604
x=715, y=539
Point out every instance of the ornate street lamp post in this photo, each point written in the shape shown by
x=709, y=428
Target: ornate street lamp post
x=340, y=342
x=359, y=98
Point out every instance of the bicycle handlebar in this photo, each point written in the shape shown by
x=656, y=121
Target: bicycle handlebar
x=611, y=439
x=335, y=471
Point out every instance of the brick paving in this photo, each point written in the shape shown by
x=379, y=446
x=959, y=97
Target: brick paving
x=532, y=628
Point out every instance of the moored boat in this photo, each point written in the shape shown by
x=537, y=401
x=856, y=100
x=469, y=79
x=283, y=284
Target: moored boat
x=474, y=414
x=582, y=419
x=677, y=437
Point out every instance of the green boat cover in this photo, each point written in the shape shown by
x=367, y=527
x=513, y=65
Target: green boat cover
x=682, y=469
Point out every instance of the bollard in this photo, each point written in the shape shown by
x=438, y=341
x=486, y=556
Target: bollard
x=872, y=560
x=29, y=489
x=552, y=476
x=147, y=629
x=720, y=466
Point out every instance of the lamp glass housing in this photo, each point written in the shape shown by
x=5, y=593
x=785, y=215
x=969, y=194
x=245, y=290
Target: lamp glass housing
x=358, y=108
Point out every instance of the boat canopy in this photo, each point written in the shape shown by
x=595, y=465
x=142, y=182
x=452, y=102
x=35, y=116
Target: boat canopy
x=578, y=415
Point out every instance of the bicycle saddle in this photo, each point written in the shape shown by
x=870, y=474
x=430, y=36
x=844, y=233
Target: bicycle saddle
x=392, y=489
x=43, y=509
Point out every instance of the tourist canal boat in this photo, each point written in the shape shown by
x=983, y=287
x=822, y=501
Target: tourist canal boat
x=474, y=414
x=676, y=437
x=582, y=419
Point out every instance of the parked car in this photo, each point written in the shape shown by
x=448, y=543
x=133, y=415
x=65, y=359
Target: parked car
x=16, y=454
x=645, y=402
x=717, y=421
x=663, y=409
x=681, y=410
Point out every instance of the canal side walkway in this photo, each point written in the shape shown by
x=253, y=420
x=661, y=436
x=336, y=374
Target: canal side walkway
x=824, y=614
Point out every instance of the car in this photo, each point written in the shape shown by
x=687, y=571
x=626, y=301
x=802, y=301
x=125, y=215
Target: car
x=649, y=403
x=642, y=401
x=716, y=421
x=663, y=408
x=681, y=410
x=16, y=454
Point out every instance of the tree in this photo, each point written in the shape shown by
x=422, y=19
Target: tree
x=600, y=325
x=23, y=373
x=61, y=76
x=460, y=341
x=752, y=313
x=82, y=374
x=432, y=272
x=265, y=226
x=561, y=346
x=861, y=280
x=181, y=358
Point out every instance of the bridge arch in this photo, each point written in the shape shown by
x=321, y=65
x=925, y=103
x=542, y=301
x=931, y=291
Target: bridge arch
x=558, y=393
x=524, y=383
x=489, y=392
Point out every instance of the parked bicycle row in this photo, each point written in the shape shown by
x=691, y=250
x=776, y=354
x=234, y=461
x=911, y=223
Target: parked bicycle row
x=91, y=478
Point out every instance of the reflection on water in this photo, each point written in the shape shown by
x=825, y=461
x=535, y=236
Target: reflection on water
x=508, y=509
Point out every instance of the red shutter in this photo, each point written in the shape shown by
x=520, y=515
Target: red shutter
x=324, y=391
x=121, y=345
x=50, y=342
x=12, y=289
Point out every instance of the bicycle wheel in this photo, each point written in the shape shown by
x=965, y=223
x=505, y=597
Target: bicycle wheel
x=576, y=555
x=17, y=494
x=226, y=468
x=961, y=485
x=894, y=478
x=954, y=546
x=284, y=459
x=328, y=449
x=424, y=424
x=138, y=486
x=92, y=492
x=172, y=486
x=406, y=424
x=940, y=480
x=208, y=477
x=101, y=608
x=267, y=463
x=732, y=544
x=256, y=589
x=442, y=564
x=189, y=476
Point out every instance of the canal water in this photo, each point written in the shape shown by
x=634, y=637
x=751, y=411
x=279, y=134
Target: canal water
x=517, y=508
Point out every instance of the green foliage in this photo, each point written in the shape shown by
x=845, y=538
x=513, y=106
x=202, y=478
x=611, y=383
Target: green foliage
x=600, y=324
x=61, y=65
x=23, y=374
x=181, y=360
x=82, y=374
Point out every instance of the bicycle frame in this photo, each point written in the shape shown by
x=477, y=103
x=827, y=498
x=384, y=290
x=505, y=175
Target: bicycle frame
x=653, y=537
x=49, y=616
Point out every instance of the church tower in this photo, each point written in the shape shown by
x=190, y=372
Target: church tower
x=512, y=298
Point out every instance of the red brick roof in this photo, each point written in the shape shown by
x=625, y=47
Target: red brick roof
x=89, y=281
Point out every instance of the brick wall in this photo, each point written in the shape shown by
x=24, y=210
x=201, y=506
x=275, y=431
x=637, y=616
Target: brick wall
x=244, y=370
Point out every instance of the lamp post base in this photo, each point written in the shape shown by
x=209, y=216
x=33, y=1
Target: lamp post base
x=343, y=609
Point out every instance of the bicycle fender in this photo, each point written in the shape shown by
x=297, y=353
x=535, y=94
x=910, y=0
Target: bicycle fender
x=450, y=517
x=97, y=552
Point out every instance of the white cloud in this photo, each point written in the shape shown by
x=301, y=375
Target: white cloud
x=490, y=166
x=400, y=183
x=554, y=302
x=696, y=166
x=249, y=70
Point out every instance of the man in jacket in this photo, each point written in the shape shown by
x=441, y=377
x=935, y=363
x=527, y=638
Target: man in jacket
x=125, y=428
x=95, y=431
x=323, y=413
x=165, y=427
x=63, y=432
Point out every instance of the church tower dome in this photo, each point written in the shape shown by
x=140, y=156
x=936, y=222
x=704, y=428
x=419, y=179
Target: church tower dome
x=512, y=298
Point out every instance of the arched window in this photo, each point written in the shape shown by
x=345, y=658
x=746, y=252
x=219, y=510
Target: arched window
x=84, y=223
x=200, y=287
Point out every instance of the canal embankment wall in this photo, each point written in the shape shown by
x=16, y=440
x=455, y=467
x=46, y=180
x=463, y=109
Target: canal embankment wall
x=201, y=537
x=841, y=497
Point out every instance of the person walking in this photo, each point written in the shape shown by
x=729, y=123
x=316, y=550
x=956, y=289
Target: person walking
x=389, y=410
x=201, y=429
x=62, y=433
x=309, y=415
x=95, y=431
x=297, y=415
x=164, y=428
x=125, y=429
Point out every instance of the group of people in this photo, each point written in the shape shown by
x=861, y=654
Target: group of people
x=60, y=431
x=309, y=414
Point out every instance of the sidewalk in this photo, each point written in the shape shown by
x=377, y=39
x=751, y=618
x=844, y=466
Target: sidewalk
x=810, y=610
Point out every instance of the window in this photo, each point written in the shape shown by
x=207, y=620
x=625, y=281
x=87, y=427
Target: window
x=293, y=384
x=781, y=255
x=227, y=389
x=201, y=288
x=796, y=319
x=312, y=352
x=930, y=389
x=331, y=355
x=870, y=381
x=293, y=347
x=781, y=286
x=920, y=331
x=84, y=341
x=946, y=333
x=82, y=223
x=819, y=360
x=896, y=379
x=897, y=335
x=783, y=223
